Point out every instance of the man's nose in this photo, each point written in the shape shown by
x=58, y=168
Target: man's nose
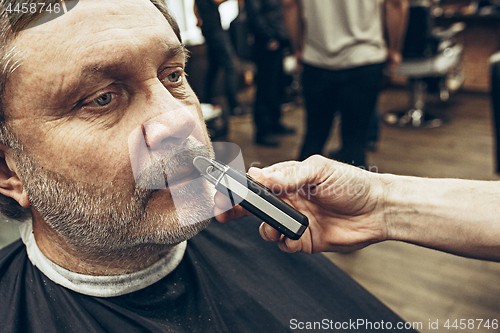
x=174, y=123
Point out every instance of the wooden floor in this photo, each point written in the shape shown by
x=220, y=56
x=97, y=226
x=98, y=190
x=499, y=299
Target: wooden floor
x=421, y=285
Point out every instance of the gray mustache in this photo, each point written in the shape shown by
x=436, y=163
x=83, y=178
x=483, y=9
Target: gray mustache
x=168, y=164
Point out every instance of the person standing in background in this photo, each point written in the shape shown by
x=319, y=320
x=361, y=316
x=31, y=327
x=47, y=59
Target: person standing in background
x=343, y=50
x=220, y=54
x=266, y=22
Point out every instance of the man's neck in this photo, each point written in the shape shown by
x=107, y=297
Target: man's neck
x=57, y=250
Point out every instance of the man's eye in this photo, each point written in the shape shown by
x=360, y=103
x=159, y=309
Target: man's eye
x=104, y=99
x=173, y=77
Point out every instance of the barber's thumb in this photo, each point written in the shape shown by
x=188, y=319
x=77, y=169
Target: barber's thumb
x=268, y=177
x=259, y=175
x=285, y=175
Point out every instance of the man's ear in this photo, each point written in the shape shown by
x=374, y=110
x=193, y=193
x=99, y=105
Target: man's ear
x=10, y=184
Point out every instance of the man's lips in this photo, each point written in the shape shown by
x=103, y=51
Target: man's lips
x=182, y=177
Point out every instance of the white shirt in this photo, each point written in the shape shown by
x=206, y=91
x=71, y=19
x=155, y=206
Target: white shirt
x=341, y=34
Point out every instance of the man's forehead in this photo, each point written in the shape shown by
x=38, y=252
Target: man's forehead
x=90, y=17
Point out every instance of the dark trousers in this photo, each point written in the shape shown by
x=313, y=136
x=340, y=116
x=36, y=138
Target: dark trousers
x=220, y=55
x=269, y=94
x=495, y=102
x=354, y=93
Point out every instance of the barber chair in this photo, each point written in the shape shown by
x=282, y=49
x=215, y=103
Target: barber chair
x=495, y=104
x=431, y=62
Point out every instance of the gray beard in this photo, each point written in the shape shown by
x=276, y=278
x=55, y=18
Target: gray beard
x=110, y=222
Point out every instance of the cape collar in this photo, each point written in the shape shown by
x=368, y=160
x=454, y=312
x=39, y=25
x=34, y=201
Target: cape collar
x=100, y=286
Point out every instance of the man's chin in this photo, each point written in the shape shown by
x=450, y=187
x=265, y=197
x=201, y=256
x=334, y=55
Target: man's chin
x=169, y=234
x=180, y=214
x=187, y=232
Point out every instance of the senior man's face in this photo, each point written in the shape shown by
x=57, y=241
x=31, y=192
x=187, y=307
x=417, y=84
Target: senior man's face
x=101, y=96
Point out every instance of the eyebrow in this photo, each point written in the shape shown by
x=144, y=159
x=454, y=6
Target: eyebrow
x=100, y=70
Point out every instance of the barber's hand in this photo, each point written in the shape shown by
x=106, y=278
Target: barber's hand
x=395, y=58
x=298, y=57
x=273, y=45
x=343, y=204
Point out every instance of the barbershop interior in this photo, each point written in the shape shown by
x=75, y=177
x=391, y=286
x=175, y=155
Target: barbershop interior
x=437, y=115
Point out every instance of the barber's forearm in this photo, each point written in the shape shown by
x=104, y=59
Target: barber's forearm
x=396, y=15
x=292, y=13
x=455, y=216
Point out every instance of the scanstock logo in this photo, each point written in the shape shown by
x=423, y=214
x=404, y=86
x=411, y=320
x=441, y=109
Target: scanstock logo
x=37, y=12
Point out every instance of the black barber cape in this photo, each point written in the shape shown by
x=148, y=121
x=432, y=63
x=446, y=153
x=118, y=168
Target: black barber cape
x=230, y=280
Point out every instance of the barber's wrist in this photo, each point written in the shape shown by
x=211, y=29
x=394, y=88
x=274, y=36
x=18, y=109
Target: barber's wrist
x=393, y=206
x=414, y=208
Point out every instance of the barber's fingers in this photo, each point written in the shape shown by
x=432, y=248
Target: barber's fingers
x=279, y=177
x=289, y=176
x=268, y=233
x=222, y=202
x=224, y=211
x=285, y=244
x=281, y=174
